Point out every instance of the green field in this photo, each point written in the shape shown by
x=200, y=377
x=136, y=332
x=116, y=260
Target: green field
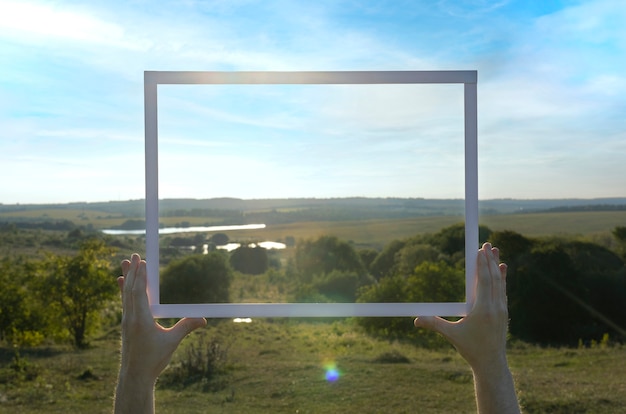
x=278, y=367
x=364, y=231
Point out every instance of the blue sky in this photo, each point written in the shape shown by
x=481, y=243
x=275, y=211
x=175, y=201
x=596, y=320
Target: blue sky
x=551, y=99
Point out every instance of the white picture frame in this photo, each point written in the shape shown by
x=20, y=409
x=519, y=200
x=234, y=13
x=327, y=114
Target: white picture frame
x=233, y=310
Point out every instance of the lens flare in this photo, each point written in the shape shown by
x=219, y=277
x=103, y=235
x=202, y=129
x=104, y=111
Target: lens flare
x=332, y=373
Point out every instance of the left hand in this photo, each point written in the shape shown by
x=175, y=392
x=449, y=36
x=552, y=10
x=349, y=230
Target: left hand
x=147, y=347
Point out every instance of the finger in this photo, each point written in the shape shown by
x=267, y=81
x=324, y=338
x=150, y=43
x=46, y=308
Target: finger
x=139, y=294
x=503, y=269
x=120, y=284
x=494, y=273
x=493, y=254
x=185, y=326
x=434, y=323
x=483, y=280
x=131, y=272
x=125, y=266
x=496, y=253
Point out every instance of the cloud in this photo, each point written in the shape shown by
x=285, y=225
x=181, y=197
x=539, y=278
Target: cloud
x=552, y=91
x=39, y=22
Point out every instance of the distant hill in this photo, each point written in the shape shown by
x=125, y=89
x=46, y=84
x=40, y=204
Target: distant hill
x=354, y=218
x=273, y=211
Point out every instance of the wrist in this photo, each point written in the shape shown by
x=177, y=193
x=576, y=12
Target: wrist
x=494, y=366
x=135, y=375
x=134, y=393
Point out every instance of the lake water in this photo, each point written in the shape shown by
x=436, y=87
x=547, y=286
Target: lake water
x=265, y=244
x=196, y=229
x=199, y=229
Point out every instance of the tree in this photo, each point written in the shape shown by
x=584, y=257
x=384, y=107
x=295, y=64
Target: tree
x=384, y=262
x=620, y=234
x=412, y=255
x=77, y=287
x=436, y=282
x=429, y=282
x=367, y=256
x=451, y=240
x=219, y=239
x=322, y=256
x=196, y=279
x=340, y=286
x=22, y=318
x=562, y=291
x=250, y=260
x=511, y=245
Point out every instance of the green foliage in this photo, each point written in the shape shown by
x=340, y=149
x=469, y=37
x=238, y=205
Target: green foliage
x=429, y=282
x=619, y=233
x=18, y=370
x=436, y=282
x=510, y=244
x=196, y=279
x=340, y=286
x=412, y=255
x=22, y=318
x=451, y=240
x=219, y=239
x=76, y=288
x=203, y=361
x=392, y=357
x=249, y=260
x=322, y=256
x=329, y=270
x=384, y=262
x=560, y=291
x=367, y=256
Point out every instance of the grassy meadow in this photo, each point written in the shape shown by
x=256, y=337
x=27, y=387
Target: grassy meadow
x=279, y=365
x=379, y=231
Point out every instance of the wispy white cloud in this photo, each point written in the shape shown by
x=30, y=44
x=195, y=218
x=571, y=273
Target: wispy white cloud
x=552, y=92
x=45, y=22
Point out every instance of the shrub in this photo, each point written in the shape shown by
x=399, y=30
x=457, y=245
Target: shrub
x=322, y=256
x=249, y=260
x=202, y=362
x=196, y=279
x=430, y=282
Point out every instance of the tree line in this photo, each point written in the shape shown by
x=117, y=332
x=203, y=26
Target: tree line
x=561, y=291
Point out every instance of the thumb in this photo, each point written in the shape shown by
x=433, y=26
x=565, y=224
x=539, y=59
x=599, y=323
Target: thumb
x=434, y=323
x=185, y=326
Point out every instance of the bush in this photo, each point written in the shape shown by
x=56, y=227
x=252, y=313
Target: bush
x=561, y=291
x=202, y=362
x=196, y=279
x=23, y=319
x=430, y=282
x=324, y=255
x=250, y=260
x=340, y=286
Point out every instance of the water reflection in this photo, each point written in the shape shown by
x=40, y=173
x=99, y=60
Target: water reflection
x=193, y=229
x=265, y=244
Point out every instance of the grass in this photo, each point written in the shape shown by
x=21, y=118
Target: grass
x=371, y=231
x=278, y=366
x=377, y=233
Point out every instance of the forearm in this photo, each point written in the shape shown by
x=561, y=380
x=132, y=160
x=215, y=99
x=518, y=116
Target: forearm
x=495, y=390
x=133, y=395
